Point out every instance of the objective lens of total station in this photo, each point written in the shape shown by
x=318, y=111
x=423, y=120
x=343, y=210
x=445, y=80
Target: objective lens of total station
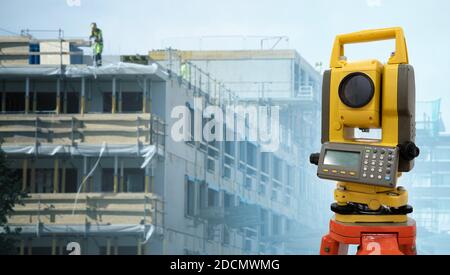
x=356, y=90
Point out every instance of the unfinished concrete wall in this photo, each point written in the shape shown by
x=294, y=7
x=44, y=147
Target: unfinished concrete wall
x=14, y=50
x=55, y=52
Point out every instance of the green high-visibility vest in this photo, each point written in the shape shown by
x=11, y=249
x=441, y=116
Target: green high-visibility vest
x=185, y=71
x=98, y=42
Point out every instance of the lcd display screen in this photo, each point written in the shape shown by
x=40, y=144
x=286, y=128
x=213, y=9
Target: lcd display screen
x=342, y=158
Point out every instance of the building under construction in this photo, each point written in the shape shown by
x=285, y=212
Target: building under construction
x=92, y=146
x=428, y=185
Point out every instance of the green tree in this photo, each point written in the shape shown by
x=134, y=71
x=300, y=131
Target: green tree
x=10, y=195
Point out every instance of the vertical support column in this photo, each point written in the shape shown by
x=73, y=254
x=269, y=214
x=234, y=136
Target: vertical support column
x=58, y=96
x=30, y=246
x=34, y=97
x=122, y=177
x=22, y=247
x=152, y=181
x=63, y=176
x=91, y=184
x=33, y=177
x=27, y=95
x=108, y=246
x=271, y=174
x=116, y=175
x=54, y=245
x=61, y=247
x=113, y=96
x=65, y=99
x=150, y=96
x=236, y=162
x=147, y=179
x=83, y=94
x=84, y=174
x=116, y=247
x=119, y=105
x=144, y=96
x=56, y=176
x=24, y=174
x=89, y=97
x=139, y=247
x=3, y=96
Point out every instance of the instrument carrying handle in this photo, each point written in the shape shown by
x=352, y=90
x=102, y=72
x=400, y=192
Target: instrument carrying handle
x=400, y=56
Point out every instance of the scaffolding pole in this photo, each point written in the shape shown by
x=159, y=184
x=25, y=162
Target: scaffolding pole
x=83, y=94
x=63, y=176
x=144, y=97
x=122, y=178
x=113, y=96
x=116, y=176
x=24, y=174
x=56, y=176
x=33, y=177
x=27, y=95
x=58, y=96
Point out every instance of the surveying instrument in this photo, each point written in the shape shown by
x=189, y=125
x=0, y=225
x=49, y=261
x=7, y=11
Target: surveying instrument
x=360, y=98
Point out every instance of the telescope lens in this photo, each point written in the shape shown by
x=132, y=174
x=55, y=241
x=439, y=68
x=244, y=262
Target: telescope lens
x=356, y=90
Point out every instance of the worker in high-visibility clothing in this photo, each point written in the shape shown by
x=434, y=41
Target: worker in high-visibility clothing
x=185, y=70
x=97, y=48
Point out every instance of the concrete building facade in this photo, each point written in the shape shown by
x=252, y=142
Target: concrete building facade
x=93, y=147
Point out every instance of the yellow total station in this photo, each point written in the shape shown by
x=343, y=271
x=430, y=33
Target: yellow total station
x=368, y=130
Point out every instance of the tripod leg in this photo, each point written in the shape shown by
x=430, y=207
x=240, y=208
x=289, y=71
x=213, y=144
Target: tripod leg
x=409, y=249
x=330, y=246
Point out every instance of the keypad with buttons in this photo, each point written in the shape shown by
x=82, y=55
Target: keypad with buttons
x=379, y=171
x=374, y=165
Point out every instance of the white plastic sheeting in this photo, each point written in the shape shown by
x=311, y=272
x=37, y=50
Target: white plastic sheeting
x=40, y=230
x=147, y=152
x=74, y=71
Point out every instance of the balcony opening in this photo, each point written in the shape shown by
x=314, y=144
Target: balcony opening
x=15, y=102
x=45, y=102
x=72, y=104
x=264, y=226
x=107, y=180
x=276, y=225
x=131, y=102
x=213, y=198
x=277, y=169
x=44, y=180
x=190, y=198
x=228, y=200
x=71, y=180
x=107, y=102
x=203, y=195
x=133, y=181
x=229, y=148
x=265, y=162
x=251, y=154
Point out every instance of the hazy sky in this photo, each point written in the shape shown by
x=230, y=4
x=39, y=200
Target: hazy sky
x=131, y=27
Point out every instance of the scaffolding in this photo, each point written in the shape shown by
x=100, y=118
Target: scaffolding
x=428, y=118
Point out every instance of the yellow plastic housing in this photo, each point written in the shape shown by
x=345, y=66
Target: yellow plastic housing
x=367, y=116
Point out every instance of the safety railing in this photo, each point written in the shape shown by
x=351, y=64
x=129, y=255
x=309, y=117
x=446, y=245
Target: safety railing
x=200, y=81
